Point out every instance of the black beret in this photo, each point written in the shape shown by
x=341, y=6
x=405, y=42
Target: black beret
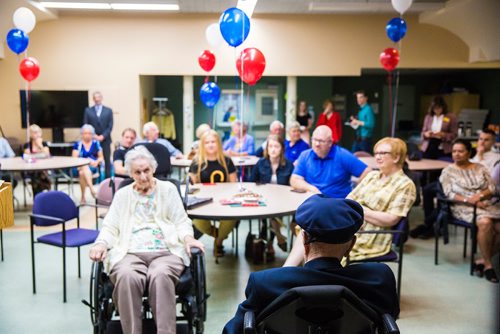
x=329, y=220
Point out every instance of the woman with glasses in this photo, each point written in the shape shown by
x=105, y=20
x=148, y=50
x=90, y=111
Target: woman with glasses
x=386, y=196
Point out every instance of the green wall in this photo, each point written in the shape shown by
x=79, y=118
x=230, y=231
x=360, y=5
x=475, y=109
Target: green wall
x=172, y=88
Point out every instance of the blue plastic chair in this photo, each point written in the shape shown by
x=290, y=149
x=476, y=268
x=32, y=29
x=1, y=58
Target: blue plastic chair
x=52, y=208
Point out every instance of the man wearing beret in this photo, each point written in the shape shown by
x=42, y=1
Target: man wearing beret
x=328, y=228
x=326, y=168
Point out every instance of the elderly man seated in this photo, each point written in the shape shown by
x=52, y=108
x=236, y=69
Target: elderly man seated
x=151, y=135
x=146, y=238
x=328, y=228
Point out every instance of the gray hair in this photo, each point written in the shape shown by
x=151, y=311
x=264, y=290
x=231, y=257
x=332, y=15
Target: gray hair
x=293, y=125
x=244, y=125
x=276, y=122
x=87, y=127
x=139, y=152
x=148, y=126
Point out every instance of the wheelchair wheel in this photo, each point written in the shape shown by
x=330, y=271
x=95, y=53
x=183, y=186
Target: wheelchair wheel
x=201, y=293
x=100, y=312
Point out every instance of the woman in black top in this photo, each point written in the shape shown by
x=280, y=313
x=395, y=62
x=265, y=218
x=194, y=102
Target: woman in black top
x=212, y=166
x=36, y=146
x=305, y=120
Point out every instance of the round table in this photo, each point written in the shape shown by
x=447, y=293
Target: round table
x=417, y=166
x=17, y=164
x=243, y=161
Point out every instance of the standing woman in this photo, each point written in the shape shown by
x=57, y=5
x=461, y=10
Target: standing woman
x=212, y=166
x=471, y=184
x=88, y=148
x=439, y=130
x=39, y=180
x=305, y=120
x=274, y=168
x=331, y=118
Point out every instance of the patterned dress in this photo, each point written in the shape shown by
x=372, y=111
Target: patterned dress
x=467, y=182
x=395, y=195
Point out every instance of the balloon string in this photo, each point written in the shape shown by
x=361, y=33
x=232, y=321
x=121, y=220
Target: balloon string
x=389, y=79
x=393, y=129
x=27, y=93
x=206, y=79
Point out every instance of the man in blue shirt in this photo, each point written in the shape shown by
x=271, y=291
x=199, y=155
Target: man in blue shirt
x=365, y=124
x=326, y=168
x=151, y=132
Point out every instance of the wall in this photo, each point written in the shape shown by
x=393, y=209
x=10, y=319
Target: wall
x=111, y=52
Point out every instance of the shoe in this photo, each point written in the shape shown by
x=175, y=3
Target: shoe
x=478, y=269
x=418, y=230
x=283, y=246
x=281, y=239
x=218, y=250
x=491, y=275
x=427, y=234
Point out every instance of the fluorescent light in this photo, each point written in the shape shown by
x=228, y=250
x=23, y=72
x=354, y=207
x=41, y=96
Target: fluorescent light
x=247, y=6
x=75, y=5
x=144, y=6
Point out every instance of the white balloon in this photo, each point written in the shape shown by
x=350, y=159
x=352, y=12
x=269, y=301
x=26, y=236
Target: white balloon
x=213, y=35
x=24, y=19
x=401, y=6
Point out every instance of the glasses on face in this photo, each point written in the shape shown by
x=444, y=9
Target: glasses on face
x=320, y=141
x=382, y=153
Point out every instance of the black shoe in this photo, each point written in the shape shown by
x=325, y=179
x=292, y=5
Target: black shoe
x=427, y=234
x=418, y=230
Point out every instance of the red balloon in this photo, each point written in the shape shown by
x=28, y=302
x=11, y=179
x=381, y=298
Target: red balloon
x=29, y=68
x=251, y=64
x=389, y=59
x=207, y=60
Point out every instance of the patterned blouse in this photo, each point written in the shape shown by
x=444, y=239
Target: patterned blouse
x=467, y=182
x=395, y=195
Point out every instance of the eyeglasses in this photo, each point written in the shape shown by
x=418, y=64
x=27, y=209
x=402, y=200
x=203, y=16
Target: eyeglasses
x=381, y=153
x=319, y=141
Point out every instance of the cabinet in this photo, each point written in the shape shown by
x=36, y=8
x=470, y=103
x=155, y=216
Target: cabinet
x=6, y=205
x=455, y=101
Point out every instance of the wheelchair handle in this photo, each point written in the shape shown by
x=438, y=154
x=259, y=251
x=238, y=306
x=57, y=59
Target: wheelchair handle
x=389, y=324
x=249, y=323
x=195, y=251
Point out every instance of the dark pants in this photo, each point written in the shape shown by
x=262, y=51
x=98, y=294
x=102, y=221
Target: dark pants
x=430, y=211
x=106, y=148
x=362, y=144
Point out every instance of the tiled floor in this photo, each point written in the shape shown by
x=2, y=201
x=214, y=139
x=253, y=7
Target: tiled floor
x=435, y=299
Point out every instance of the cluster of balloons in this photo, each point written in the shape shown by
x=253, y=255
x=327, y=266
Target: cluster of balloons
x=396, y=30
x=233, y=28
x=18, y=41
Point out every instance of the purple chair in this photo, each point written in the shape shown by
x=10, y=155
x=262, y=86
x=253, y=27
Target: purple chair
x=399, y=236
x=52, y=208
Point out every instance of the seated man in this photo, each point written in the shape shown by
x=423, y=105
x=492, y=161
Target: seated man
x=328, y=228
x=275, y=128
x=149, y=237
x=326, y=168
x=128, y=138
x=240, y=143
x=151, y=133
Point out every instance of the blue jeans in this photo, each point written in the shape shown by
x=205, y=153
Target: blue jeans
x=362, y=144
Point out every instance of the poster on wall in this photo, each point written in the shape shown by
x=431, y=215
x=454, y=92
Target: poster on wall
x=228, y=108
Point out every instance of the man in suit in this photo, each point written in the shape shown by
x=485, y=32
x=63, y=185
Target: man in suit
x=328, y=226
x=101, y=118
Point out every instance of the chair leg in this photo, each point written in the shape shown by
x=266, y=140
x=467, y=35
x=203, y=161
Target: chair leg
x=400, y=271
x=436, y=248
x=237, y=237
x=1, y=243
x=79, y=266
x=465, y=242
x=64, y=274
x=33, y=258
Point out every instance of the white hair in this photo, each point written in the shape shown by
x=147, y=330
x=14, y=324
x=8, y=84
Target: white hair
x=149, y=126
x=274, y=123
x=139, y=152
x=87, y=127
x=294, y=125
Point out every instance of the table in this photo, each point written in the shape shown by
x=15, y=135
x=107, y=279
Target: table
x=417, y=166
x=243, y=161
x=279, y=199
x=17, y=164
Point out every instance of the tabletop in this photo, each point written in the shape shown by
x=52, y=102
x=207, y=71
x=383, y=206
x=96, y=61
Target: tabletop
x=420, y=165
x=279, y=201
x=17, y=164
x=245, y=161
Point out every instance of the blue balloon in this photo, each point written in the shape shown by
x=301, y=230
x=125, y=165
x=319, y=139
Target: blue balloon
x=210, y=94
x=234, y=26
x=396, y=29
x=17, y=40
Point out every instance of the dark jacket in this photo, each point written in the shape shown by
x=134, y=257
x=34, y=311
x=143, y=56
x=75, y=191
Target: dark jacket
x=102, y=124
x=262, y=172
x=373, y=283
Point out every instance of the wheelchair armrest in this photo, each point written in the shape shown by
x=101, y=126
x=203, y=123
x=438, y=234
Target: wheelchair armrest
x=195, y=251
x=390, y=326
x=249, y=323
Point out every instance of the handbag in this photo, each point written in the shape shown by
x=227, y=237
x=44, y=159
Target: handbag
x=255, y=248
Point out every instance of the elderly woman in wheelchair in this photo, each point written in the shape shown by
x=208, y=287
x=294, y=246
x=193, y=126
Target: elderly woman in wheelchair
x=146, y=239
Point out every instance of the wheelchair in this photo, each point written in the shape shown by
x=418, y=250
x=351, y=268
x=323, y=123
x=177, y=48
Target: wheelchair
x=190, y=291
